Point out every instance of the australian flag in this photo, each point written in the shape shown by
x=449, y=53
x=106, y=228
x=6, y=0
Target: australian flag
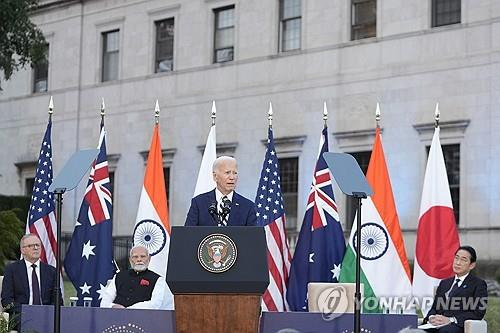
x=89, y=260
x=320, y=247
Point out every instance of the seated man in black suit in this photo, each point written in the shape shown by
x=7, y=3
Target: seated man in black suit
x=459, y=298
x=222, y=206
x=28, y=281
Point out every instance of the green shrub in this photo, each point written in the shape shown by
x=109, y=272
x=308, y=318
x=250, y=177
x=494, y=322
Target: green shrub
x=11, y=231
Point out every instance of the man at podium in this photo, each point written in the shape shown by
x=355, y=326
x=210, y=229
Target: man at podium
x=222, y=206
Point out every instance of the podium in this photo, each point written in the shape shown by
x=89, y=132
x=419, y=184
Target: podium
x=217, y=276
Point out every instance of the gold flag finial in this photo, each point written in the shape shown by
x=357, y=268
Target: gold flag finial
x=214, y=113
x=377, y=114
x=436, y=115
x=51, y=107
x=103, y=108
x=157, y=112
x=270, y=114
x=325, y=113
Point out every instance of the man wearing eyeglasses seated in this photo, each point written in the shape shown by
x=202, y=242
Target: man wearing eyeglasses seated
x=28, y=281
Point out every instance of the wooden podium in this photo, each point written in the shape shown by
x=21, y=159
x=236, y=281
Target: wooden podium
x=207, y=301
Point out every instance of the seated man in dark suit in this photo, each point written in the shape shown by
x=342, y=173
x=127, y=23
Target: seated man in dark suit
x=459, y=298
x=28, y=281
x=222, y=206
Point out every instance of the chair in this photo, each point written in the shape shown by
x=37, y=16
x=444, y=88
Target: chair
x=321, y=294
x=476, y=326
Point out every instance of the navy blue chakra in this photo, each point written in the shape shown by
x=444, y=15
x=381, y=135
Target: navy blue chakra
x=374, y=241
x=151, y=235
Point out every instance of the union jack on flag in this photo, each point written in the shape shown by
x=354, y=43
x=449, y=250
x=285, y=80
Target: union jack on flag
x=320, y=246
x=89, y=260
x=271, y=215
x=42, y=217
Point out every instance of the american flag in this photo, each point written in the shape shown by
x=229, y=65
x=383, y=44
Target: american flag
x=42, y=217
x=321, y=245
x=89, y=260
x=271, y=215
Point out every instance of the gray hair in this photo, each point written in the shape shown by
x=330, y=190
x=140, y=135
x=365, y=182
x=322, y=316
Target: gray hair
x=220, y=159
x=21, y=242
x=138, y=247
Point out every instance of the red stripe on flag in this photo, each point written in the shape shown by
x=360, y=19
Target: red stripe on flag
x=50, y=234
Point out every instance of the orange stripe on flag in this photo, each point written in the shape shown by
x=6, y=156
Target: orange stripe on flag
x=154, y=179
x=383, y=199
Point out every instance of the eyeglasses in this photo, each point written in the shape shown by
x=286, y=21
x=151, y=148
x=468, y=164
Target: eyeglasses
x=33, y=246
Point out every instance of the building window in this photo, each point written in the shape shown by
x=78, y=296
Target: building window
x=112, y=183
x=364, y=19
x=289, y=172
x=41, y=73
x=451, y=154
x=363, y=159
x=28, y=186
x=110, y=54
x=290, y=21
x=445, y=12
x=164, y=61
x=166, y=174
x=224, y=34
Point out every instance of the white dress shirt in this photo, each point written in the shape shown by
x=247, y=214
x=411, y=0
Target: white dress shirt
x=219, y=196
x=460, y=282
x=29, y=272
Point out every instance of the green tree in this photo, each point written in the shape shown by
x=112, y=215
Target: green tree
x=11, y=231
x=21, y=42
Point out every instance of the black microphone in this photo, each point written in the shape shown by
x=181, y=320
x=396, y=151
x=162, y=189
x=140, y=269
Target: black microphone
x=226, y=206
x=212, y=210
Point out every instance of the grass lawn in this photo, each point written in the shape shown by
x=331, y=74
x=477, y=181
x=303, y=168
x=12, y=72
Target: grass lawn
x=493, y=314
x=69, y=291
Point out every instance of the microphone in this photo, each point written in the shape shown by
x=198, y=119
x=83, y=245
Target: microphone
x=212, y=210
x=226, y=206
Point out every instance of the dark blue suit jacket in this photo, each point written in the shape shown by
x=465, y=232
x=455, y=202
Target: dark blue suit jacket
x=467, y=302
x=242, y=211
x=15, y=286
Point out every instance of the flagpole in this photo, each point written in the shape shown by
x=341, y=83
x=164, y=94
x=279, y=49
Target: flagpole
x=213, y=113
x=157, y=113
x=58, y=193
x=270, y=115
x=325, y=115
x=51, y=108
x=377, y=115
x=436, y=116
x=103, y=109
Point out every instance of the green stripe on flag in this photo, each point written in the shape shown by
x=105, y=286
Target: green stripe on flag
x=348, y=275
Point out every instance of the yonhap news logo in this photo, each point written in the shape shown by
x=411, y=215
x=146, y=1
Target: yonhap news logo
x=333, y=302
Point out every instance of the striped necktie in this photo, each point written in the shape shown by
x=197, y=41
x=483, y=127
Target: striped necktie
x=224, y=216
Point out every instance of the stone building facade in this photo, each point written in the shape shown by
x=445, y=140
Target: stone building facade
x=245, y=53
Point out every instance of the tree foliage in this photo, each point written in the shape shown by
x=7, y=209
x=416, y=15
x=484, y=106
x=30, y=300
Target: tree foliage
x=21, y=42
x=11, y=231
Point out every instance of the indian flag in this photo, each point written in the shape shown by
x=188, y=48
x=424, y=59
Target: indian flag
x=152, y=228
x=385, y=271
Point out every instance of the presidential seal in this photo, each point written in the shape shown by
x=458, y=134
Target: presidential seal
x=217, y=253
